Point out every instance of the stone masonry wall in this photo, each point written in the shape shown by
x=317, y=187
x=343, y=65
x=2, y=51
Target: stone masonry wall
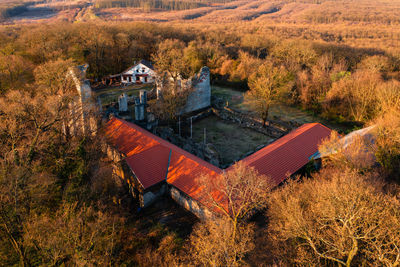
x=201, y=96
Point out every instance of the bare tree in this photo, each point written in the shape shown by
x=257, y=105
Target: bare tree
x=52, y=77
x=212, y=243
x=75, y=235
x=337, y=217
x=14, y=71
x=388, y=96
x=30, y=117
x=234, y=196
x=170, y=58
x=237, y=193
x=355, y=97
x=388, y=142
x=171, y=101
x=267, y=85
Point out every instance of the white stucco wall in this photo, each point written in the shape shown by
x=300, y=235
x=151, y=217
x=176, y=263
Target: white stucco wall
x=138, y=69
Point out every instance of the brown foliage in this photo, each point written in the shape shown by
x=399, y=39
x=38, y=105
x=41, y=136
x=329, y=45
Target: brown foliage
x=78, y=236
x=267, y=85
x=337, y=217
x=166, y=254
x=52, y=77
x=170, y=58
x=28, y=121
x=15, y=71
x=313, y=85
x=244, y=66
x=377, y=63
x=238, y=192
x=214, y=243
x=355, y=96
x=388, y=143
x=173, y=98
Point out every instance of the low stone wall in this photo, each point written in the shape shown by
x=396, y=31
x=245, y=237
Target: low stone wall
x=245, y=121
x=200, y=115
x=275, y=129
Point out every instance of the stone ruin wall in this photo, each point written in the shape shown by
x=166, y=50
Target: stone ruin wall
x=83, y=110
x=190, y=204
x=200, y=98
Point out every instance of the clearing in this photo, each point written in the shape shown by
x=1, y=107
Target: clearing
x=231, y=141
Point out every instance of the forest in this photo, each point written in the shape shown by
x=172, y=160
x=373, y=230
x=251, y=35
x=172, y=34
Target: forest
x=59, y=204
x=150, y=5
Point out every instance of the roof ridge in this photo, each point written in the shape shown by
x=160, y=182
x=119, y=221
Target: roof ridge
x=142, y=61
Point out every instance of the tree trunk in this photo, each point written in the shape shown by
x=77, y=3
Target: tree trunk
x=352, y=253
x=33, y=145
x=265, y=115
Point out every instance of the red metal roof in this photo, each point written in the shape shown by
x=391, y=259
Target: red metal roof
x=288, y=154
x=127, y=139
x=150, y=165
x=153, y=159
x=145, y=150
x=184, y=172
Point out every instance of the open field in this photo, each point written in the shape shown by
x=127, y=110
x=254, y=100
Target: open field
x=231, y=141
x=363, y=24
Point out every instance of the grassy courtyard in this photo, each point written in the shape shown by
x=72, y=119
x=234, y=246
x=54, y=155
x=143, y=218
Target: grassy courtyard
x=111, y=94
x=230, y=140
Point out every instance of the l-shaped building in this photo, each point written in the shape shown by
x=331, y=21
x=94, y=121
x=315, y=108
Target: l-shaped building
x=153, y=166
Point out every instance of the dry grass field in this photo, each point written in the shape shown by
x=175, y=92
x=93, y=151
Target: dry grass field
x=356, y=23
